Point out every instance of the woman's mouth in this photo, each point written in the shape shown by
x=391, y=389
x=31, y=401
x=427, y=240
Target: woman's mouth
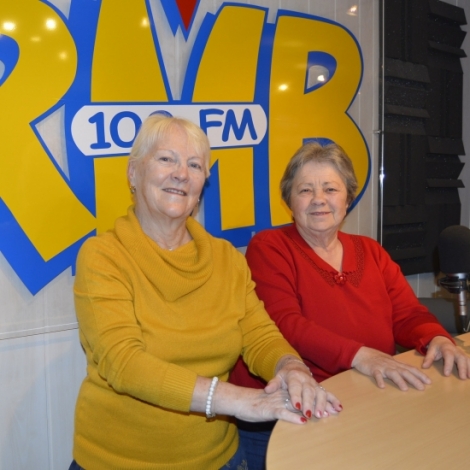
x=179, y=192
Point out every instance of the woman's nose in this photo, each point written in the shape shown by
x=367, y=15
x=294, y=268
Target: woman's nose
x=181, y=172
x=318, y=197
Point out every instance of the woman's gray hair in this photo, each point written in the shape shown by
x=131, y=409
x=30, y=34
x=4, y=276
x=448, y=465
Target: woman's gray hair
x=331, y=154
x=157, y=126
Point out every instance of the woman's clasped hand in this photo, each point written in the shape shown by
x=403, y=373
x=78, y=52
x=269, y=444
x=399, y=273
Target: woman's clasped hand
x=292, y=395
x=301, y=394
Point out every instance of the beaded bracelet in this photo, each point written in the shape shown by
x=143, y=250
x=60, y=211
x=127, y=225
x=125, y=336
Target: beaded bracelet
x=209, y=413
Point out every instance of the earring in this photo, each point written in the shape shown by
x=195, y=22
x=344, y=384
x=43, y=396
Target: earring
x=132, y=188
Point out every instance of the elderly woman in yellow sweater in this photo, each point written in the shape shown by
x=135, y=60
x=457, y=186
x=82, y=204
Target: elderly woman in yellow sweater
x=164, y=311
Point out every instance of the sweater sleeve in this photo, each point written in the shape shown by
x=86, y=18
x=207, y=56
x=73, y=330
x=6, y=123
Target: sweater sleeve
x=263, y=344
x=273, y=270
x=414, y=326
x=112, y=337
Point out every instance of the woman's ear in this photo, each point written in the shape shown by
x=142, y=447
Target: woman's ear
x=131, y=173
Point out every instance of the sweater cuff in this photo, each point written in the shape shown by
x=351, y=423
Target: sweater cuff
x=423, y=343
x=269, y=357
x=178, y=388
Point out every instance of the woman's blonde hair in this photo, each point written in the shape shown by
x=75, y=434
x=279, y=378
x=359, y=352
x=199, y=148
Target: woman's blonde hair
x=157, y=126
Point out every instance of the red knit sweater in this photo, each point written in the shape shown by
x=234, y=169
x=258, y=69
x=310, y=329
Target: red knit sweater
x=327, y=317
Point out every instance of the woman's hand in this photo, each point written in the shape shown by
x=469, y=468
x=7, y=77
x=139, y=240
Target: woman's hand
x=381, y=366
x=255, y=405
x=292, y=395
x=306, y=396
x=247, y=404
x=441, y=347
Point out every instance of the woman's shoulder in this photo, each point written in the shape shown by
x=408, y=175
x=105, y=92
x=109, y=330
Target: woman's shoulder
x=368, y=241
x=274, y=235
x=368, y=245
x=104, y=244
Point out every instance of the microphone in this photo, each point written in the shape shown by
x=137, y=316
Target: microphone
x=454, y=259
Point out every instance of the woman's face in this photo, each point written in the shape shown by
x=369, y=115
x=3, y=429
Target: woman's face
x=169, y=179
x=318, y=199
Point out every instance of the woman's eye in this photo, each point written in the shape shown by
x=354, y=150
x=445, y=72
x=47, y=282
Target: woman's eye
x=196, y=166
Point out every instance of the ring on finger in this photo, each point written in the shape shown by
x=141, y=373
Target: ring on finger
x=320, y=387
x=286, y=403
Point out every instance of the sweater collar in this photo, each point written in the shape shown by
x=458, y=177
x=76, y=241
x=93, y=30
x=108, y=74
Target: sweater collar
x=349, y=250
x=172, y=273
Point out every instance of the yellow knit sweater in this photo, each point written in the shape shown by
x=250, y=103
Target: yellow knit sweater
x=151, y=321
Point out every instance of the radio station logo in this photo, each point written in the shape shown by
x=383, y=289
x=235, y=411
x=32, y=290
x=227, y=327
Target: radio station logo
x=76, y=85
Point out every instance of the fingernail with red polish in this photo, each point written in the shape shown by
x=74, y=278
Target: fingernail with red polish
x=297, y=405
x=308, y=414
x=340, y=407
x=304, y=420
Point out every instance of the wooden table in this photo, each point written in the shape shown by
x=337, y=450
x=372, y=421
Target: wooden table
x=383, y=428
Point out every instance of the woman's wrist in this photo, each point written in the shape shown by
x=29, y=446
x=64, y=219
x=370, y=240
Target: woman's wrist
x=303, y=363
x=286, y=360
x=232, y=400
x=210, y=413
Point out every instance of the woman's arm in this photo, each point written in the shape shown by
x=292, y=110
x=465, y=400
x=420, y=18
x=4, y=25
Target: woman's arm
x=112, y=337
x=413, y=327
x=292, y=395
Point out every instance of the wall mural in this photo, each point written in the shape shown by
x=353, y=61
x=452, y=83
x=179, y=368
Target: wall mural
x=258, y=90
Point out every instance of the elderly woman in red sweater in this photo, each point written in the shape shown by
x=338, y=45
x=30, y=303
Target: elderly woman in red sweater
x=339, y=299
